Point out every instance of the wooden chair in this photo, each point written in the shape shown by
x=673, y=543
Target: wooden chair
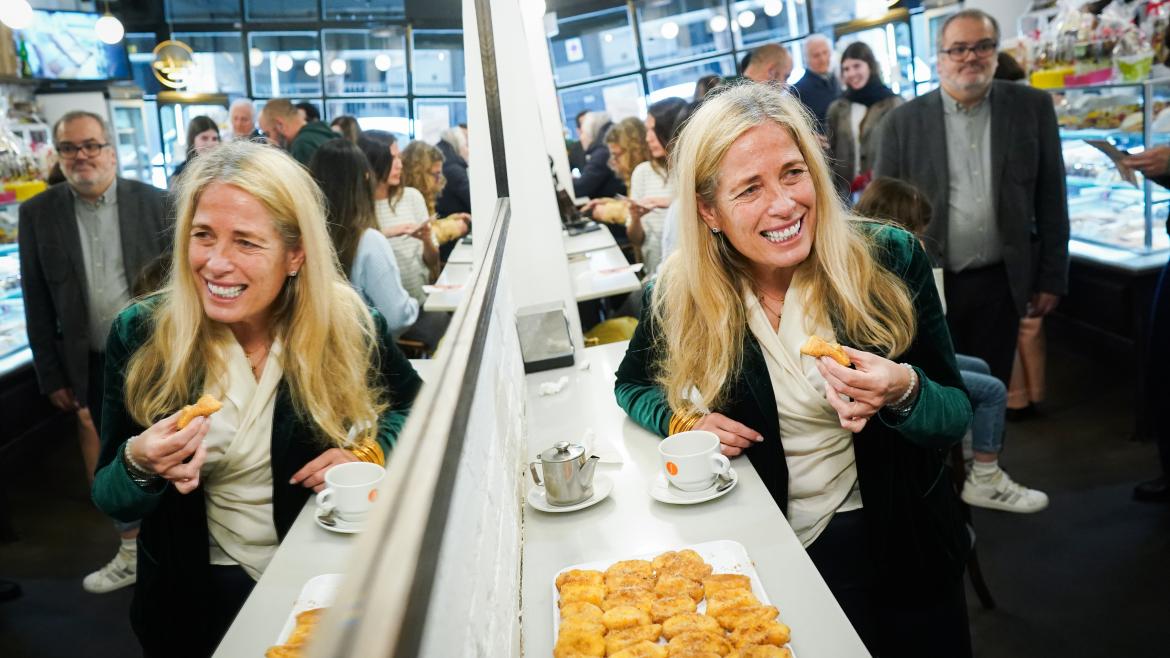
x=958, y=476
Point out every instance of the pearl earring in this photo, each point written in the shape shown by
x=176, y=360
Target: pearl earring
x=292, y=273
x=714, y=231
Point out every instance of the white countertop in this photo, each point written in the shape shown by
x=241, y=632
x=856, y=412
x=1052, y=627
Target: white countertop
x=462, y=253
x=449, y=287
x=629, y=522
x=599, y=239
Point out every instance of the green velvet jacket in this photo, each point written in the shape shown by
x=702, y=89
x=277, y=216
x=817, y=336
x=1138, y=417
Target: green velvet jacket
x=171, y=596
x=918, y=540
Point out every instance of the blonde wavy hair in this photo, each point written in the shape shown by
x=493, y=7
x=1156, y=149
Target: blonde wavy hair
x=698, y=297
x=630, y=135
x=329, y=357
x=417, y=159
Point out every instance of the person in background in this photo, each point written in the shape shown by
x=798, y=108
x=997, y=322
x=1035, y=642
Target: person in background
x=83, y=243
x=627, y=146
x=987, y=484
x=343, y=174
x=347, y=126
x=257, y=314
x=285, y=126
x=242, y=116
x=597, y=179
x=768, y=255
x=576, y=150
x=202, y=134
x=651, y=192
x=1002, y=239
x=401, y=214
x=456, y=194
x=1008, y=68
x=818, y=87
x=770, y=62
x=422, y=169
x=705, y=85
x=1155, y=164
x=308, y=112
x=853, y=123
x=666, y=134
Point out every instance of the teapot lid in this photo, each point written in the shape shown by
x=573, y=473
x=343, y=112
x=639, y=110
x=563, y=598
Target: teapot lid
x=562, y=451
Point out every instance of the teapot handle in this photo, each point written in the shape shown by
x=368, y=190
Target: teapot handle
x=535, y=473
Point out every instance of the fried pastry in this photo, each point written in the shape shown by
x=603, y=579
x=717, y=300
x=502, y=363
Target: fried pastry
x=761, y=632
x=625, y=616
x=577, y=644
x=581, y=609
x=698, y=641
x=761, y=651
x=582, y=625
x=689, y=622
x=733, y=618
x=632, y=567
x=686, y=563
x=726, y=599
x=817, y=347
x=671, y=585
x=695, y=654
x=639, y=598
x=643, y=649
x=611, y=211
x=627, y=580
x=204, y=406
x=615, y=641
x=725, y=581
x=582, y=592
x=580, y=576
x=294, y=646
x=667, y=607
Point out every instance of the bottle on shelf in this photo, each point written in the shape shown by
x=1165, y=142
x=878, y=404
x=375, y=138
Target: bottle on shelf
x=25, y=67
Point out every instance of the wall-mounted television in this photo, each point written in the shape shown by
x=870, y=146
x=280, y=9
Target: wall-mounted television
x=63, y=45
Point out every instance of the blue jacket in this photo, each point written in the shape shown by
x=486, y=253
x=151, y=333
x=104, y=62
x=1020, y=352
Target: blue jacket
x=817, y=94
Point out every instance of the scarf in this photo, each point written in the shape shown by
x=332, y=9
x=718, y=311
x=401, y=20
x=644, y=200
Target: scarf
x=873, y=92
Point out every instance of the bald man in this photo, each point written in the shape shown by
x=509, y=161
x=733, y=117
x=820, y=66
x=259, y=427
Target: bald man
x=286, y=127
x=770, y=62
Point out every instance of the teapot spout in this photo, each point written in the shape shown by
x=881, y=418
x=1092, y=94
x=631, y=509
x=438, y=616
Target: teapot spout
x=586, y=472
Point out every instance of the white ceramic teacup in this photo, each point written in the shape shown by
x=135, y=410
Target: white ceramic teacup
x=692, y=459
x=351, y=489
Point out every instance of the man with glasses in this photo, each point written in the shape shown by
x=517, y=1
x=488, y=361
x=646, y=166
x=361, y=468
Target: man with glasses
x=83, y=244
x=987, y=155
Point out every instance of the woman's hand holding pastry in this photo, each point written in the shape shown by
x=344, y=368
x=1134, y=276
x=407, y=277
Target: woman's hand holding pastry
x=873, y=383
x=174, y=454
x=734, y=436
x=312, y=475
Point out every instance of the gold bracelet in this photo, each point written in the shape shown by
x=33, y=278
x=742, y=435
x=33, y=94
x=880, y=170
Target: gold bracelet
x=369, y=451
x=685, y=423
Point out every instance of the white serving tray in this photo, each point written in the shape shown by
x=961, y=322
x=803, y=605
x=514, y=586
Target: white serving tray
x=318, y=592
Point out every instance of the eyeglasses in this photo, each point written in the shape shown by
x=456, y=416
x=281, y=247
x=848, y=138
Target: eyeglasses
x=68, y=150
x=982, y=49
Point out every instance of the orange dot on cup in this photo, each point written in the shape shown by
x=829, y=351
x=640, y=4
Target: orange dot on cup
x=373, y=495
x=671, y=468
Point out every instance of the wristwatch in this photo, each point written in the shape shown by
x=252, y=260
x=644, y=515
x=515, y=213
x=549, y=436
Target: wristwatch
x=145, y=479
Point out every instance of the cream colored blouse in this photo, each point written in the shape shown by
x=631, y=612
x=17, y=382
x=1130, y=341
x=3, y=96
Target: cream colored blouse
x=822, y=471
x=237, y=476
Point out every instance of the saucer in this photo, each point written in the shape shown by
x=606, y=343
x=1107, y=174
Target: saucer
x=343, y=527
x=663, y=492
x=602, y=485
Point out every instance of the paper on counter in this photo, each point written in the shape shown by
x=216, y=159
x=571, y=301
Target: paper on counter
x=552, y=388
x=441, y=287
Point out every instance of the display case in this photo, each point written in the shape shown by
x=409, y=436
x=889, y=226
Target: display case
x=1115, y=214
x=14, y=350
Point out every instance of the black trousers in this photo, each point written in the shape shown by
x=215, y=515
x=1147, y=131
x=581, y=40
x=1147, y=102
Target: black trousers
x=1158, y=361
x=930, y=628
x=982, y=317
x=228, y=589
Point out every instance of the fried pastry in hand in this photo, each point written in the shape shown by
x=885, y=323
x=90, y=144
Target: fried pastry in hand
x=667, y=607
x=689, y=622
x=712, y=584
x=204, y=406
x=586, y=576
x=671, y=585
x=761, y=651
x=761, y=632
x=582, y=592
x=625, y=616
x=726, y=599
x=581, y=609
x=577, y=644
x=631, y=567
x=817, y=347
x=643, y=649
x=615, y=641
x=699, y=641
x=733, y=618
x=639, y=598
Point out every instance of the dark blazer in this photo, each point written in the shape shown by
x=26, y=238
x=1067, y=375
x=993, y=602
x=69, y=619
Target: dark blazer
x=171, y=598
x=597, y=179
x=456, y=194
x=817, y=93
x=918, y=540
x=52, y=274
x=1028, y=180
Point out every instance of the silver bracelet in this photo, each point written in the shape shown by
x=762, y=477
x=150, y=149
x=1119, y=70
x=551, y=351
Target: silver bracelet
x=903, y=404
x=136, y=471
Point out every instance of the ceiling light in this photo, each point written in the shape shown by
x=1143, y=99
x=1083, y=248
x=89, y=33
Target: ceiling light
x=608, y=37
x=746, y=18
x=255, y=57
x=669, y=30
x=382, y=62
x=312, y=68
x=338, y=66
x=442, y=56
x=284, y=62
x=108, y=28
x=17, y=14
x=773, y=7
x=718, y=23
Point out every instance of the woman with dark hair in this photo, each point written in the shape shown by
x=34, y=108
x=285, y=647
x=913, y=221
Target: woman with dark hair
x=341, y=170
x=854, y=120
x=705, y=85
x=202, y=134
x=346, y=126
x=650, y=190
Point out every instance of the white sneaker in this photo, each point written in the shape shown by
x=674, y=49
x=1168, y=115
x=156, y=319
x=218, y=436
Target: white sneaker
x=119, y=572
x=1002, y=493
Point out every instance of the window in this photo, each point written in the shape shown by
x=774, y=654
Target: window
x=434, y=115
x=284, y=64
x=212, y=11
x=219, y=60
x=365, y=62
x=281, y=10
x=438, y=62
x=389, y=114
x=592, y=46
x=140, y=46
x=680, y=80
x=762, y=21
x=350, y=10
x=620, y=97
x=827, y=13
x=680, y=29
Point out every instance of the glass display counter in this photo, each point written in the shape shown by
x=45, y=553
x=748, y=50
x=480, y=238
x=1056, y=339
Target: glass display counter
x=14, y=350
x=1119, y=215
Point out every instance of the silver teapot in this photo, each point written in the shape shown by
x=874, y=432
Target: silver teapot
x=567, y=474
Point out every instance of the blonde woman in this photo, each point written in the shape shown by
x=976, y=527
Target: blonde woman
x=422, y=169
x=257, y=313
x=627, y=147
x=767, y=257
